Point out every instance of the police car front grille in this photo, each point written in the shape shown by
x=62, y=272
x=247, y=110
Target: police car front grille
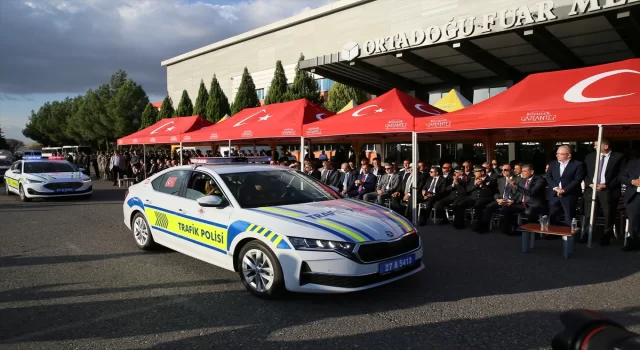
x=385, y=250
x=57, y=185
x=354, y=281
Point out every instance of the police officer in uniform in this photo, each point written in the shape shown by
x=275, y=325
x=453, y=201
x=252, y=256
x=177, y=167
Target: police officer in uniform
x=480, y=193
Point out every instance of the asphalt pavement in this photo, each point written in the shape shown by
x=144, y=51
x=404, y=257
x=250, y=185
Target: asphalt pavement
x=71, y=277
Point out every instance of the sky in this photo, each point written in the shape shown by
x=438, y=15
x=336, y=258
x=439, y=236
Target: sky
x=52, y=49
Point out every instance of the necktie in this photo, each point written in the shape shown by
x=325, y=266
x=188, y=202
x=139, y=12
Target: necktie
x=364, y=177
x=507, y=191
x=524, y=198
x=433, y=185
x=600, y=166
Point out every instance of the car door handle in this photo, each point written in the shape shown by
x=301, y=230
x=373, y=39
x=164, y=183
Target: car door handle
x=147, y=201
x=182, y=211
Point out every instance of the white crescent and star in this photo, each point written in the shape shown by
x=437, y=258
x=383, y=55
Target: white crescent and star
x=165, y=124
x=319, y=115
x=576, y=93
x=357, y=113
x=264, y=118
x=242, y=122
x=419, y=107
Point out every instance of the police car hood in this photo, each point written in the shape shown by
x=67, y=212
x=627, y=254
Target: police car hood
x=340, y=220
x=57, y=177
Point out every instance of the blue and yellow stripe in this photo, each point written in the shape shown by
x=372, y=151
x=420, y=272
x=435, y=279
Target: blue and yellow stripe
x=399, y=220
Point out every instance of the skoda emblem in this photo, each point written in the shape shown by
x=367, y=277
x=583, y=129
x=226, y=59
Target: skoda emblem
x=389, y=233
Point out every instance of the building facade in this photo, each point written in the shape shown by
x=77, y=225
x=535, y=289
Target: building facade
x=424, y=47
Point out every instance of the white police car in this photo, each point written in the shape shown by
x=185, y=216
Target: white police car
x=36, y=177
x=278, y=228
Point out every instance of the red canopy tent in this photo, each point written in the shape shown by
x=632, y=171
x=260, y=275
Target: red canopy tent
x=167, y=130
x=271, y=121
x=607, y=94
x=393, y=112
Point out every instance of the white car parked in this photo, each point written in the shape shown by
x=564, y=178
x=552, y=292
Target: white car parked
x=278, y=228
x=46, y=178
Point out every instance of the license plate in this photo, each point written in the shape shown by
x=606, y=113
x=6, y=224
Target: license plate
x=397, y=263
x=64, y=189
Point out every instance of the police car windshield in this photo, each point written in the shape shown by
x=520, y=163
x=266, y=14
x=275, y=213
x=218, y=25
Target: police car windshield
x=275, y=187
x=48, y=167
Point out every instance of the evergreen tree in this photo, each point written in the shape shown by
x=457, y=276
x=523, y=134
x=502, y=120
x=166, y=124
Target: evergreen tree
x=304, y=86
x=278, y=90
x=218, y=104
x=246, y=96
x=185, y=107
x=149, y=116
x=200, y=108
x=166, y=110
x=340, y=95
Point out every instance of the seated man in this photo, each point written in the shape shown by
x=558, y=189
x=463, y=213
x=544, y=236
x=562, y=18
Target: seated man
x=433, y=190
x=455, y=192
x=505, y=197
x=365, y=183
x=531, y=198
x=480, y=192
x=389, y=183
x=347, y=179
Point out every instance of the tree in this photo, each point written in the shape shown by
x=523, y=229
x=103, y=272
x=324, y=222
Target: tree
x=13, y=145
x=246, y=96
x=3, y=141
x=304, y=86
x=166, y=110
x=126, y=107
x=340, y=95
x=149, y=116
x=200, y=108
x=185, y=107
x=278, y=89
x=218, y=104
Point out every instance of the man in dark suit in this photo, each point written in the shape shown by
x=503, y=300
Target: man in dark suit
x=347, y=179
x=408, y=188
x=607, y=187
x=530, y=198
x=480, y=192
x=389, y=183
x=433, y=190
x=506, y=196
x=331, y=176
x=490, y=171
x=310, y=170
x=564, y=178
x=630, y=176
x=398, y=196
x=365, y=183
x=447, y=173
x=455, y=191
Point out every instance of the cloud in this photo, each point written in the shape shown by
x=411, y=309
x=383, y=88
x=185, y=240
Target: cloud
x=74, y=45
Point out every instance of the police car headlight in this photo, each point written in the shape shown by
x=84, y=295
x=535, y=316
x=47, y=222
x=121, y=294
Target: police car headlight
x=28, y=181
x=342, y=248
x=88, y=179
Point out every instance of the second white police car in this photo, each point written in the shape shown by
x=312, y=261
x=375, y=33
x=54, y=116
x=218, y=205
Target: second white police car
x=37, y=177
x=278, y=228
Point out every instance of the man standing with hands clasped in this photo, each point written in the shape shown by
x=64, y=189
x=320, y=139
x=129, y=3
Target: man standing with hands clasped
x=630, y=176
x=564, y=179
x=607, y=187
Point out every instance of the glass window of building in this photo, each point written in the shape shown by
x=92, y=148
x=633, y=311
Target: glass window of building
x=324, y=84
x=480, y=95
x=436, y=96
x=260, y=93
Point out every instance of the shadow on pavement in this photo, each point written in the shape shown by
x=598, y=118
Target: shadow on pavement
x=21, y=260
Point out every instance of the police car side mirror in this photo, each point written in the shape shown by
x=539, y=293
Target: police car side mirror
x=17, y=171
x=81, y=170
x=212, y=201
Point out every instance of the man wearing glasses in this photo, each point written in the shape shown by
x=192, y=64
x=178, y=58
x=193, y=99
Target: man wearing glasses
x=505, y=197
x=389, y=183
x=446, y=173
x=480, y=191
x=433, y=190
x=564, y=178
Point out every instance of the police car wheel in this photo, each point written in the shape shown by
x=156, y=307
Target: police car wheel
x=23, y=196
x=142, y=232
x=260, y=271
x=6, y=189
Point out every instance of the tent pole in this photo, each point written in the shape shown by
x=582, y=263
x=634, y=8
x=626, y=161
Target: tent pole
x=180, y=152
x=383, y=150
x=596, y=179
x=229, y=148
x=302, y=153
x=144, y=160
x=414, y=180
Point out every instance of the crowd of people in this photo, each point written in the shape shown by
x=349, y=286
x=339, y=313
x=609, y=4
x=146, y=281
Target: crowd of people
x=490, y=188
